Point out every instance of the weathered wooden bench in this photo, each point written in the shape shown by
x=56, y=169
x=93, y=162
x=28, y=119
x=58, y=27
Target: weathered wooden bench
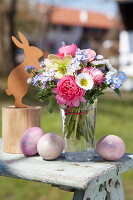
x=97, y=180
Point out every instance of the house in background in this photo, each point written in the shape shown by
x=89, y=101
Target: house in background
x=85, y=28
x=50, y=24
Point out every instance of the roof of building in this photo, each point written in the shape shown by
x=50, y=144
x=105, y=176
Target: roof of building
x=72, y=17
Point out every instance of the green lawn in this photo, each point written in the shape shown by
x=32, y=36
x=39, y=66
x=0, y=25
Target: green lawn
x=113, y=117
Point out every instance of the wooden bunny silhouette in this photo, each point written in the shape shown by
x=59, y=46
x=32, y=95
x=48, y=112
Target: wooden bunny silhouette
x=17, y=80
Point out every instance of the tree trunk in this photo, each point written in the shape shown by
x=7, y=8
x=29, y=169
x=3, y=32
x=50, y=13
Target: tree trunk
x=7, y=51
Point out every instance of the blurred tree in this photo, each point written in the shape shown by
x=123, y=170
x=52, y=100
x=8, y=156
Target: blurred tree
x=7, y=51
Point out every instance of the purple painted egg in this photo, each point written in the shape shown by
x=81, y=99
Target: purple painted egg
x=50, y=146
x=29, y=140
x=110, y=147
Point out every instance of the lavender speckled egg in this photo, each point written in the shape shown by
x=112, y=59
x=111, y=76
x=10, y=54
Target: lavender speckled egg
x=29, y=140
x=50, y=146
x=110, y=147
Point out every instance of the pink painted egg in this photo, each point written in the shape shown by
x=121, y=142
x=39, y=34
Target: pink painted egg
x=110, y=147
x=29, y=140
x=50, y=146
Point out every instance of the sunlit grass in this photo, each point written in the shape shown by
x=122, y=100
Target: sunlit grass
x=113, y=117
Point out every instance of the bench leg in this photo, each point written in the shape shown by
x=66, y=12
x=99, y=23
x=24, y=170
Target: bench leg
x=78, y=195
x=111, y=189
x=115, y=189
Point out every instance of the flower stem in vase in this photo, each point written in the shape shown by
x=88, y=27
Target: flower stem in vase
x=79, y=132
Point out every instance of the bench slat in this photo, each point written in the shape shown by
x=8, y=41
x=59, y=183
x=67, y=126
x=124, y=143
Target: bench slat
x=61, y=172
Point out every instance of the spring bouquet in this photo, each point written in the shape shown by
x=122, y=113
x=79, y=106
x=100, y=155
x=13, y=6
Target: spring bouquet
x=74, y=79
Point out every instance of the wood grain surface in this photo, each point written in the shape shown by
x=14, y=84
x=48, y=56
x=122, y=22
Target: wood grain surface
x=14, y=122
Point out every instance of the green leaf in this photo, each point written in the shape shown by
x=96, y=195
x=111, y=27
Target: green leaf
x=104, y=86
x=40, y=70
x=117, y=91
x=40, y=96
x=51, y=104
x=98, y=93
x=43, y=94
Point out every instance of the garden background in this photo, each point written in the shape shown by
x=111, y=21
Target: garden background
x=34, y=19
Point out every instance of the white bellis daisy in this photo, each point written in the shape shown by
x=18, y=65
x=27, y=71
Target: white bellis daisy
x=85, y=81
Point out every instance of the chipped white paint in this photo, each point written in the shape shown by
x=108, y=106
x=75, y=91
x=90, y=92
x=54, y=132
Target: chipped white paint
x=111, y=188
x=83, y=177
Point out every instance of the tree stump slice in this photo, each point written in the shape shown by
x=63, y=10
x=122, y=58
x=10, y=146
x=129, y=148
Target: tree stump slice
x=15, y=121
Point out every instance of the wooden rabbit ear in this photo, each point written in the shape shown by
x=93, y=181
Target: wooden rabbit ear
x=16, y=42
x=23, y=39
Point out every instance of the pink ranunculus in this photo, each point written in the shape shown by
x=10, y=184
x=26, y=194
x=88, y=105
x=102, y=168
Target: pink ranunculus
x=68, y=50
x=68, y=92
x=97, y=74
x=91, y=54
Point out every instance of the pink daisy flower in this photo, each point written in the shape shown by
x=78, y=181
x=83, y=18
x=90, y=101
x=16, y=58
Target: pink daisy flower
x=97, y=74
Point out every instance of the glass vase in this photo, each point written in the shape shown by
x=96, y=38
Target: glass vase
x=78, y=125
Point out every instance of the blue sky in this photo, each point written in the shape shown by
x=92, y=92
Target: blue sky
x=104, y=6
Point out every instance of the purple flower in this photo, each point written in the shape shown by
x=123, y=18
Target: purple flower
x=48, y=75
x=112, y=86
x=40, y=80
x=115, y=81
x=122, y=76
x=42, y=64
x=108, y=77
x=35, y=80
x=81, y=56
x=103, y=68
x=29, y=68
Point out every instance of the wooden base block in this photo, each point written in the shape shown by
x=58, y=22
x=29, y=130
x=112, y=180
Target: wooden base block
x=14, y=122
